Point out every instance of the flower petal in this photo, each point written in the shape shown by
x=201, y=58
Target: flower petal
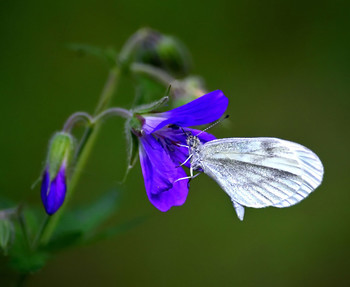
x=54, y=192
x=152, y=122
x=160, y=172
x=203, y=110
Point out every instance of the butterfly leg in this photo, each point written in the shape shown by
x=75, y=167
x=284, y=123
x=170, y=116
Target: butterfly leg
x=188, y=177
x=192, y=176
x=182, y=145
x=187, y=159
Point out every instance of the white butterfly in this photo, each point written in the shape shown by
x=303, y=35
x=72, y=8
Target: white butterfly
x=257, y=172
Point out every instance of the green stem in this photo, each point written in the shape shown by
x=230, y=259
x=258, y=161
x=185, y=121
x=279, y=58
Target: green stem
x=82, y=143
x=108, y=90
x=132, y=43
x=24, y=228
x=113, y=112
x=153, y=72
x=83, y=151
x=40, y=232
x=74, y=118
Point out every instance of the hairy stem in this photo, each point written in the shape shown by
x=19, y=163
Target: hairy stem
x=24, y=228
x=153, y=72
x=113, y=112
x=108, y=90
x=83, y=151
x=40, y=232
x=74, y=118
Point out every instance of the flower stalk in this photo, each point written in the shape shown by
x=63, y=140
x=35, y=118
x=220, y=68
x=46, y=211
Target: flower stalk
x=153, y=72
x=83, y=152
x=75, y=118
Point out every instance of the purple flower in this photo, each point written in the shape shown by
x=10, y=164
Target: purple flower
x=53, y=191
x=160, y=150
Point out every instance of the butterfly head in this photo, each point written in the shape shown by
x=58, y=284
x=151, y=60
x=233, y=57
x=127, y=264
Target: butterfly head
x=192, y=141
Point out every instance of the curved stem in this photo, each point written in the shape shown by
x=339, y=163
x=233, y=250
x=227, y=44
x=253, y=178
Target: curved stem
x=132, y=43
x=155, y=73
x=113, y=112
x=91, y=132
x=83, y=152
x=74, y=118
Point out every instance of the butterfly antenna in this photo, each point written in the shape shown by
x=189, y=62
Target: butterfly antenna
x=187, y=133
x=213, y=124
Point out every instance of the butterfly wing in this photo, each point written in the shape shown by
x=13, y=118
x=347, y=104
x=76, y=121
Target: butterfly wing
x=261, y=172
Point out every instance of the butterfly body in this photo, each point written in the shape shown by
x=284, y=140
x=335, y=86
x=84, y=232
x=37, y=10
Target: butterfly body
x=258, y=172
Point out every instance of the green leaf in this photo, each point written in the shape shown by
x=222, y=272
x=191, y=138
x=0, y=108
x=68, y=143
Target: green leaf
x=76, y=226
x=76, y=231
x=109, y=55
x=28, y=262
x=88, y=218
x=21, y=256
x=65, y=240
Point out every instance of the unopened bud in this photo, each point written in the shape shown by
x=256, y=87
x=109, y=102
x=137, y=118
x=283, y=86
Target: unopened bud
x=54, y=186
x=164, y=52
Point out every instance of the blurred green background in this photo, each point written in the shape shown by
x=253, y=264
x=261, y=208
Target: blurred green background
x=284, y=66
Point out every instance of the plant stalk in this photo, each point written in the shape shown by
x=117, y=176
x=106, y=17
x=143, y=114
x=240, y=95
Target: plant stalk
x=83, y=151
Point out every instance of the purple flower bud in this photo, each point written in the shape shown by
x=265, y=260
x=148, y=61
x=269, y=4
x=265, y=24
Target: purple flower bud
x=54, y=185
x=53, y=191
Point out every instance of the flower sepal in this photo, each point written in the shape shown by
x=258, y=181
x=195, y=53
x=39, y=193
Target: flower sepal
x=142, y=109
x=61, y=147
